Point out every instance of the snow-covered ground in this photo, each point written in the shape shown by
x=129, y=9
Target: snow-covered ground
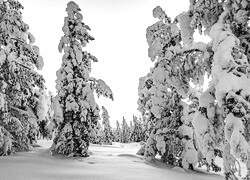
x=118, y=161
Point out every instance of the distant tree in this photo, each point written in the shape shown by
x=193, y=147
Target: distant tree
x=75, y=88
x=125, y=131
x=19, y=80
x=136, y=134
x=107, y=130
x=144, y=128
x=131, y=125
x=96, y=135
x=117, y=132
x=55, y=117
x=45, y=128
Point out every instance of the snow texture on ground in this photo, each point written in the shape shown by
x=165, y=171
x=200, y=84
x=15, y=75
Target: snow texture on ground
x=106, y=162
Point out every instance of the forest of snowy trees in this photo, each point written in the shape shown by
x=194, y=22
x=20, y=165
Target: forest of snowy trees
x=181, y=123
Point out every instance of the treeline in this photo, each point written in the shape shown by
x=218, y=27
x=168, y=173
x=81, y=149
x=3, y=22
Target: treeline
x=103, y=133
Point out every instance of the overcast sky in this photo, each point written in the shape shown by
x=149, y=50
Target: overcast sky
x=119, y=29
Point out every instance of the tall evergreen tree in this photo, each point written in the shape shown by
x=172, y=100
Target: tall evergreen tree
x=45, y=127
x=75, y=88
x=96, y=135
x=19, y=80
x=117, y=132
x=125, y=131
x=136, y=134
x=107, y=130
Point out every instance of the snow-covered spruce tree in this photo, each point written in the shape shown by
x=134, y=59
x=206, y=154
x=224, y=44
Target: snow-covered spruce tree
x=125, y=131
x=208, y=126
x=227, y=24
x=232, y=91
x=50, y=128
x=117, y=132
x=163, y=120
x=144, y=129
x=131, y=125
x=45, y=129
x=178, y=60
x=19, y=80
x=107, y=130
x=198, y=134
x=145, y=126
x=96, y=135
x=189, y=154
x=75, y=89
x=136, y=134
x=55, y=116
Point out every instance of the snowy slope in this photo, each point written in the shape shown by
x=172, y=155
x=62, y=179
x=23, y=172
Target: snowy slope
x=106, y=163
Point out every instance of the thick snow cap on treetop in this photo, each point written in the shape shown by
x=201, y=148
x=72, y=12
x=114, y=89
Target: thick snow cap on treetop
x=72, y=6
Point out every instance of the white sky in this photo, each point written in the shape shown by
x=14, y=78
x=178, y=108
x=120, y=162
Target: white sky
x=119, y=29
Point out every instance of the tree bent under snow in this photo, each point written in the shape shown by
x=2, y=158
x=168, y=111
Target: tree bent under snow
x=75, y=88
x=221, y=118
x=178, y=60
x=226, y=22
